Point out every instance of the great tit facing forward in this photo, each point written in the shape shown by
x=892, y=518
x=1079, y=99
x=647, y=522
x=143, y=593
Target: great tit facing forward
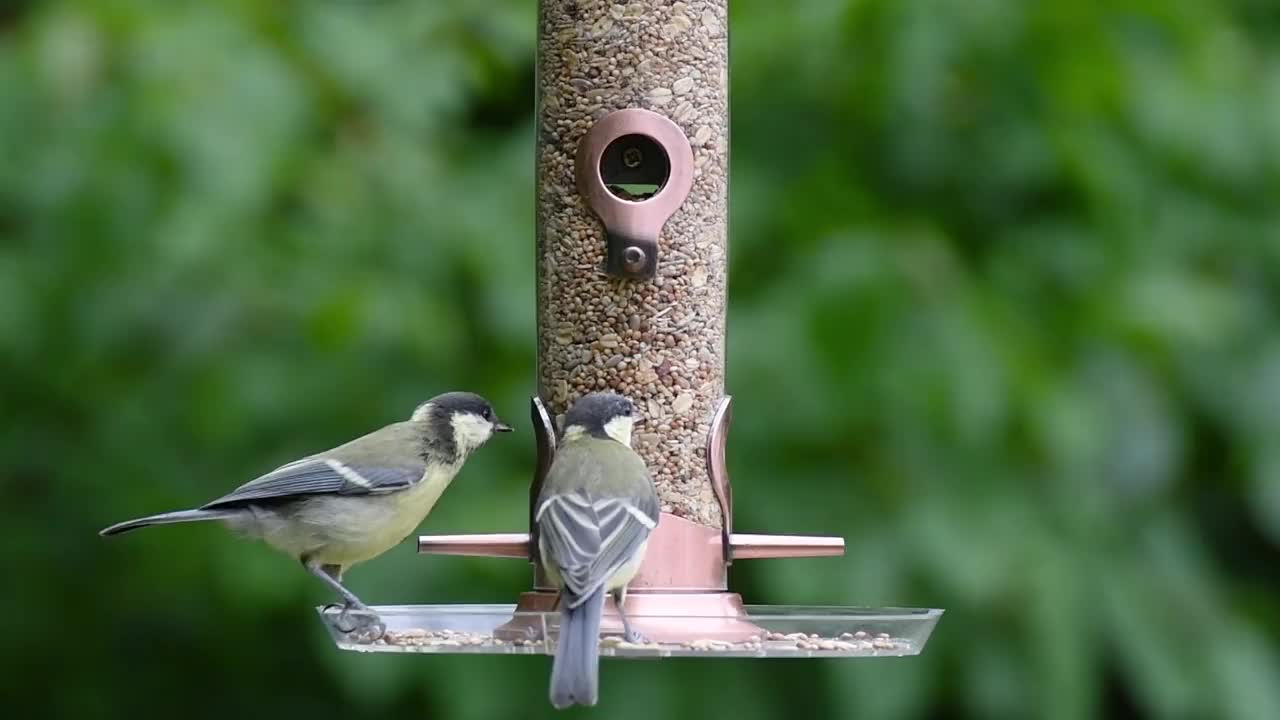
x=594, y=514
x=349, y=504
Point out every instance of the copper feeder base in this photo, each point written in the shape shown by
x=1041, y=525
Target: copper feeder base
x=660, y=617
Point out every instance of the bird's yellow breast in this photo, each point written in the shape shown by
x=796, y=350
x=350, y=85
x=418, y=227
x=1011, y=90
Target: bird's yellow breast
x=406, y=510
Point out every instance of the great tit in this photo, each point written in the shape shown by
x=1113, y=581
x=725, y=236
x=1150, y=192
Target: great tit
x=594, y=515
x=344, y=506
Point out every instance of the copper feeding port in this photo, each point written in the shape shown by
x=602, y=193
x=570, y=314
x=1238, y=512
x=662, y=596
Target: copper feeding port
x=634, y=168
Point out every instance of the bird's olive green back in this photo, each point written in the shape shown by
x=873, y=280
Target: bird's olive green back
x=600, y=465
x=398, y=444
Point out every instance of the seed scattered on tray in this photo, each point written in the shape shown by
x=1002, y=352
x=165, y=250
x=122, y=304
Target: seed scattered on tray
x=770, y=644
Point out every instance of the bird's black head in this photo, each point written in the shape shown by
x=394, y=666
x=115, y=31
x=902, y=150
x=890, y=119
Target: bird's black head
x=465, y=419
x=602, y=414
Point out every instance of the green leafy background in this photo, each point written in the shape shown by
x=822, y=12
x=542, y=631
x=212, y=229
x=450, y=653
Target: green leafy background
x=1005, y=279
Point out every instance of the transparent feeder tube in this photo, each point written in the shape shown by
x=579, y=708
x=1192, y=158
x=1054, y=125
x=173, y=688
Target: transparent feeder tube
x=660, y=341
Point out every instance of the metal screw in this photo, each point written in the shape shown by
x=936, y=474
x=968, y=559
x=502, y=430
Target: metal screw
x=632, y=157
x=633, y=259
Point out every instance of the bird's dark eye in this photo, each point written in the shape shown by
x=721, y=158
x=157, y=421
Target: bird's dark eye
x=487, y=414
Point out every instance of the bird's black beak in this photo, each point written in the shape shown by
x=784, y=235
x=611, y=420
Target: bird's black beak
x=499, y=426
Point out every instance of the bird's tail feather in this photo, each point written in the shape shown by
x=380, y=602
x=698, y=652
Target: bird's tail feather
x=180, y=516
x=575, y=670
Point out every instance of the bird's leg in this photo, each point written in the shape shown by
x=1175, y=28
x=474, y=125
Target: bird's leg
x=628, y=634
x=331, y=575
x=367, y=619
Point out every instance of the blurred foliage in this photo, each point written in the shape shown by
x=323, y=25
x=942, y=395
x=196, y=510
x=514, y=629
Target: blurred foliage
x=1005, y=279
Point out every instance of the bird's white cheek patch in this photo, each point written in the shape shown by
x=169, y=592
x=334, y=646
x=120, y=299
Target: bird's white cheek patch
x=471, y=430
x=619, y=429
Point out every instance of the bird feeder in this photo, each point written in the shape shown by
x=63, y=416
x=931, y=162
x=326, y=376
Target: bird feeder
x=632, y=275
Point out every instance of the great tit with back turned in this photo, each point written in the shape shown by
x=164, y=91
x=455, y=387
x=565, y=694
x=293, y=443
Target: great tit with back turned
x=594, y=515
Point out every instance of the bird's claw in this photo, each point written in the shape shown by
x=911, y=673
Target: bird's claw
x=335, y=612
x=369, y=632
x=361, y=623
x=634, y=637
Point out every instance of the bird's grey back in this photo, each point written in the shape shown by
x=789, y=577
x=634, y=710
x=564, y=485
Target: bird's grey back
x=391, y=458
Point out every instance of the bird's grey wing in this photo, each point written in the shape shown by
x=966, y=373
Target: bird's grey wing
x=322, y=475
x=591, y=538
x=567, y=525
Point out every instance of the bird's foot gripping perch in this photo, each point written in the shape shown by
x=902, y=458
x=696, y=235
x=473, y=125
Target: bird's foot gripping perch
x=359, y=622
x=633, y=637
x=352, y=617
x=628, y=633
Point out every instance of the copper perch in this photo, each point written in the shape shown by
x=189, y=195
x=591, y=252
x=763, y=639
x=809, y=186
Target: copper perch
x=743, y=546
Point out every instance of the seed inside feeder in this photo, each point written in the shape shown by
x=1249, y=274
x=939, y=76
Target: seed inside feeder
x=597, y=57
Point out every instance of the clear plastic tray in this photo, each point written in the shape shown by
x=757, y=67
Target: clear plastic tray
x=765, y=632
